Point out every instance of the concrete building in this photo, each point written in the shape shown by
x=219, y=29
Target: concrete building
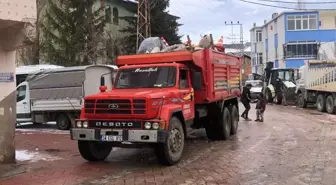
x=15, y=15
x=289, y=38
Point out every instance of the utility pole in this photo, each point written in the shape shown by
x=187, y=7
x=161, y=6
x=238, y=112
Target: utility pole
x=242, y=47
x=143, y=23
x=300, y=5
x=241, y=38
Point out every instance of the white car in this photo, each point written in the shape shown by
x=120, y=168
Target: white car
x=256, y=88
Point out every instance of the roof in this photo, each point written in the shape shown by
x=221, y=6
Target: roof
x=35, y=68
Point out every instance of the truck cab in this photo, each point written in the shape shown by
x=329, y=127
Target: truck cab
x=155, y=98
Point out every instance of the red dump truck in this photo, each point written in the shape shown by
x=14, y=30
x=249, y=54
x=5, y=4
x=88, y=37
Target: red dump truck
x=155, y=98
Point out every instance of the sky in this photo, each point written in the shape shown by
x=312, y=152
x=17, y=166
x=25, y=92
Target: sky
x=209, y=16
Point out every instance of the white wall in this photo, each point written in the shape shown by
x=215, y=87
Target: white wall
x=327, y=19
x=256, y=47
x=14, y=14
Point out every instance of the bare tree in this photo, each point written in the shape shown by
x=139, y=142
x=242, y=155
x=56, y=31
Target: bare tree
x=30, y=54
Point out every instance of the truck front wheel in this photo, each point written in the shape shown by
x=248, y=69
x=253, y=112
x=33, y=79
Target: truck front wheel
x=301, y=102
x=94, y=151
x=170, y=152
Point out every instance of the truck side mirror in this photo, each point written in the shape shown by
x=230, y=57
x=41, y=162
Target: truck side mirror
x=102, y=81
x=102, y=87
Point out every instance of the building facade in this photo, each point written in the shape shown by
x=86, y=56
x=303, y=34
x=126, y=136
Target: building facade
x=290, y=38
x=15, y=18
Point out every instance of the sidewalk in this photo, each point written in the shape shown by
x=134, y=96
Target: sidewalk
x=46, y=157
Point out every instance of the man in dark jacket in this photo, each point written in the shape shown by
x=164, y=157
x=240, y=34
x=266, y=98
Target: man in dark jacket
x=246, y=99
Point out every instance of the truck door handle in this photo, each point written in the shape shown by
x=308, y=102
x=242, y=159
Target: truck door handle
x=24, y=103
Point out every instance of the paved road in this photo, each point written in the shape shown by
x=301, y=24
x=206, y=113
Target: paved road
x=292, y=146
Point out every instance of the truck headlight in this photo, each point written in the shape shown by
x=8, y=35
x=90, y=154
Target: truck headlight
x=85, y=124
x=148, y=125
x=155, y=125
x=79, y=124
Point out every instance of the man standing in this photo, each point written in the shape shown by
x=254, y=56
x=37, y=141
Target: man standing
x=246, y=99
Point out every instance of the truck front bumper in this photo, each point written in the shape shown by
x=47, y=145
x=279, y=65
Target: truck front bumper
x=133, y=136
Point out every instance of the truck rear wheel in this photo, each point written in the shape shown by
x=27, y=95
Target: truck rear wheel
x=94, y=151
x=63, y=122
x=330, y=104
x=170, y=152
x=321, y=103
x=234, y=119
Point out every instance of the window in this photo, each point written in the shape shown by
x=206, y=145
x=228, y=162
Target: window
x=21, y=93
x=258, y=36
x=260, y=58
x=108, y=14
x=115, y=16
x=301, y=22
x=301, y=50
x=183, y=82
x=146, y=77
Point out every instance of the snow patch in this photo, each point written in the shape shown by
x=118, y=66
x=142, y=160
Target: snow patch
x=25, y=155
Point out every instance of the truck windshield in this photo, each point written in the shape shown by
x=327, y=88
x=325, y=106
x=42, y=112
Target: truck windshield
x=146, y=77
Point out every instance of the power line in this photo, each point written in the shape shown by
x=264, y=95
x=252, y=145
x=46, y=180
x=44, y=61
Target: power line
x=291, y=2
x=277, y=6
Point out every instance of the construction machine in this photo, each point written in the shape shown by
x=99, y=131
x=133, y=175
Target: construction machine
x=279, y=84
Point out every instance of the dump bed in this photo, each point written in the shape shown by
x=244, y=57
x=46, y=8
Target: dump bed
x=320, y=75
x=220, y=73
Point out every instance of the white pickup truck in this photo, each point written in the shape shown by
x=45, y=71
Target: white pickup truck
x=57, y=94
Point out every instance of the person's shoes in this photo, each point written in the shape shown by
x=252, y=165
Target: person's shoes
x=257, y=120
x=243, y=116
x=261, y=120
x=248, y=119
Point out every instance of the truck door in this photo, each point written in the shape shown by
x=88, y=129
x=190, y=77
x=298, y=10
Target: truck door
x=23, y=113
x=187, y=94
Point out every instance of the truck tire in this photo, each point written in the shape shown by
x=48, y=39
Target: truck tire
x=301, y=102
x=63, y=122
x=330, y=104
x=225, y=125
x=234, y=119
x=321, y=103
x=94, y=151
x=211, y=128
x=170, y=152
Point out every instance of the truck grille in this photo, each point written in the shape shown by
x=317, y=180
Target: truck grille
x=115, y=106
